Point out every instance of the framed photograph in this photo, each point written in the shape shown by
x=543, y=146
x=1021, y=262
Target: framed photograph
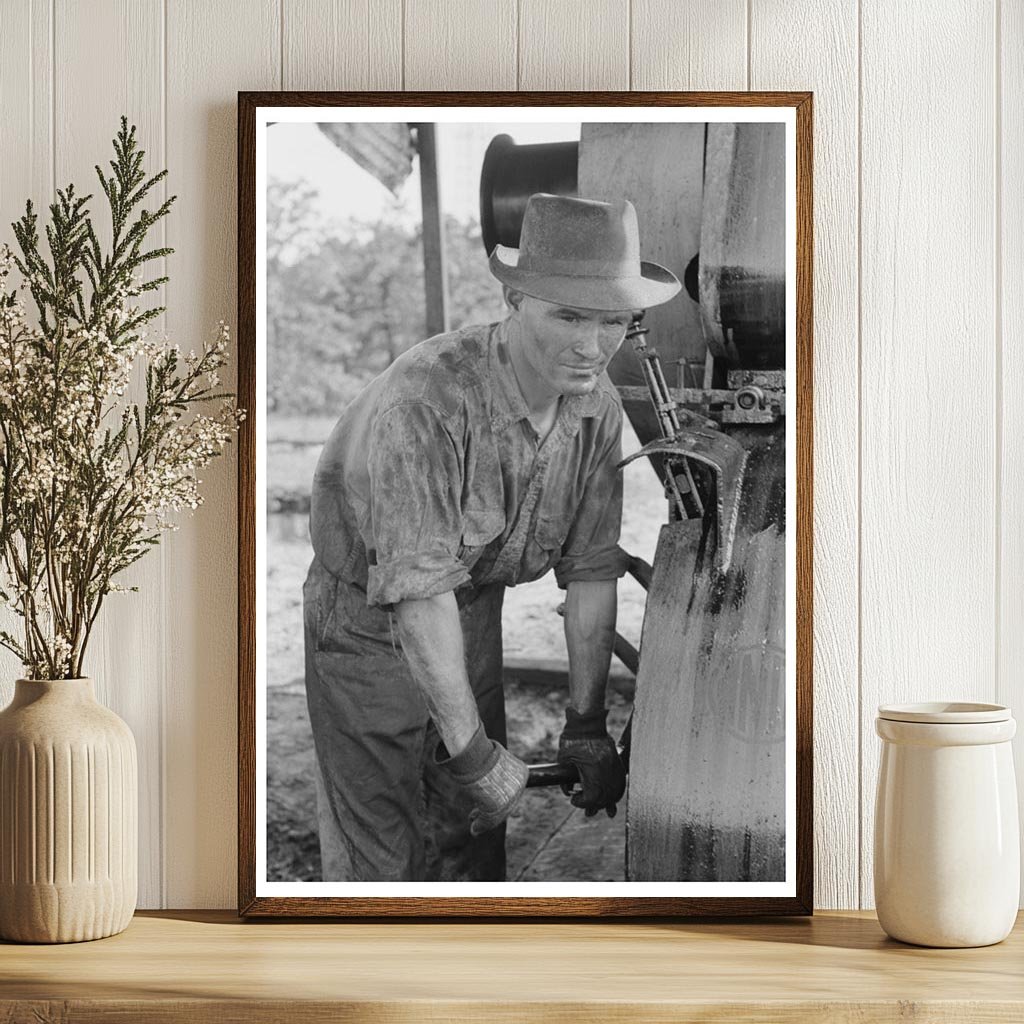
x=525, y=504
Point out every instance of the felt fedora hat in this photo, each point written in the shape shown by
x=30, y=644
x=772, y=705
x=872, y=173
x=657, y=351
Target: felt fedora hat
x=583, y=253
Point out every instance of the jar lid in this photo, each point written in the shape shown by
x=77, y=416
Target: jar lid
x=945, y=712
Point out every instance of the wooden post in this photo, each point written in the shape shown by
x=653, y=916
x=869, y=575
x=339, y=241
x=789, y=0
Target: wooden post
x=435, y=270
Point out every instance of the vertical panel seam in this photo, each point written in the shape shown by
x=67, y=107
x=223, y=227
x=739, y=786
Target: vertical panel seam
x=280, y=41
x=997, y=207
x=53, y=97
x=519, y=44
x=162, y=695
x=32, y=169
x=405, y=14
x=750, y=17
x=629, y=37
x=860, y=456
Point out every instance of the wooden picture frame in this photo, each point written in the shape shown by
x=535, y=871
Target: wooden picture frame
x=793, y=895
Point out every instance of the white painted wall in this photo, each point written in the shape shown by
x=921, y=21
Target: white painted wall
x=919, y=305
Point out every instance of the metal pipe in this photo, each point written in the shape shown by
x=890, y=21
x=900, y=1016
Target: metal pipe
x=556, y=774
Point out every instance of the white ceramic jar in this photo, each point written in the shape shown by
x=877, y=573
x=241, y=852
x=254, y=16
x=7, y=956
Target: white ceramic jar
x=947, y=847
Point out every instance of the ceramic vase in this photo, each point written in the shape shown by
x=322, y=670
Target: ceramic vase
x=68, y=815
x=947, y=847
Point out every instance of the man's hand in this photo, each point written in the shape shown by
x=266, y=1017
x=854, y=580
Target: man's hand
x=495, y=779
x=586, y=744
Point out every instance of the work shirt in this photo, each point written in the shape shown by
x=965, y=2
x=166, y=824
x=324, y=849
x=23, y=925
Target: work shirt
x=434, y=479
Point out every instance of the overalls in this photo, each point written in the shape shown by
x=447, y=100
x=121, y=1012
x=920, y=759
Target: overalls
x=375, y=740
x=386, y=811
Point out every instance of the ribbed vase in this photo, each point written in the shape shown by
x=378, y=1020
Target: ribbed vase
x=68, y=815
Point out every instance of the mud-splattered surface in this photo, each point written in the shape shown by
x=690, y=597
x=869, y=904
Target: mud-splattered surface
x=548, y=839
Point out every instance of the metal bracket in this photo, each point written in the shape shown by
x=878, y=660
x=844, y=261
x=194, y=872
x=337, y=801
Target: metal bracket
x=727, y=459
x=751, y=397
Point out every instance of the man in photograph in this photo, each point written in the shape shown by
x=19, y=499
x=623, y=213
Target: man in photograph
x=480, y=459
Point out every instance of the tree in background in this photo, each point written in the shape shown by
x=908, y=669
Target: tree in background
x=474, y=294
x=345, y=301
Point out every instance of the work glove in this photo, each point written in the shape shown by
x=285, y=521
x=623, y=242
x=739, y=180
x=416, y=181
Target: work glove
x=494, y=778
x=586, y=744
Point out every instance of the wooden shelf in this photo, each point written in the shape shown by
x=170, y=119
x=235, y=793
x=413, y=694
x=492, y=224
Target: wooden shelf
x=208, y=966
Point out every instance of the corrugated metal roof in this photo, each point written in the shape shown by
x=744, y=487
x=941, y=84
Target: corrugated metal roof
x=384, y=150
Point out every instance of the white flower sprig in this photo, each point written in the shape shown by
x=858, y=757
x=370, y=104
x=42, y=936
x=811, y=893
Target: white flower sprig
x=88, y=478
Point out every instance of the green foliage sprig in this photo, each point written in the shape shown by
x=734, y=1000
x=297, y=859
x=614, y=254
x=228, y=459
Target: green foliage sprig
x=88, y=477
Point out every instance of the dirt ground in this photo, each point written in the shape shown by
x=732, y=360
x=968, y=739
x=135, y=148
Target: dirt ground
x=548, y=839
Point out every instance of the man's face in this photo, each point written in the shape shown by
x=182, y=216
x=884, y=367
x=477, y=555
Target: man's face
x=566, y=346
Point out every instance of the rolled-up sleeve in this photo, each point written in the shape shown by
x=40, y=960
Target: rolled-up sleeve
x=591, y=550
x=415, y=471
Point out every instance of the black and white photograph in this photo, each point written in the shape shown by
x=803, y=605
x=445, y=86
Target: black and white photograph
x=525, y=482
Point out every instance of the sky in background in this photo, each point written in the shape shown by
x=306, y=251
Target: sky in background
x=297, y=152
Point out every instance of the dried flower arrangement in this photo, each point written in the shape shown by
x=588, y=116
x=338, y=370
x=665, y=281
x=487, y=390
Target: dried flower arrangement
x=88, y=477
